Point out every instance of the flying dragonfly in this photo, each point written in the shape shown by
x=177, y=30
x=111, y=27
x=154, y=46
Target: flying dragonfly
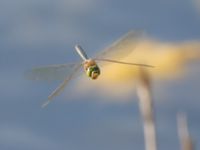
x=111, y=54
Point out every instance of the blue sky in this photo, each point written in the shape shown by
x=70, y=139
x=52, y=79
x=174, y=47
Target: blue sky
x=41, y=32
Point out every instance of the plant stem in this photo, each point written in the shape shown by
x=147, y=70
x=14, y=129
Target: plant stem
x=146, y=109
x=185, y=138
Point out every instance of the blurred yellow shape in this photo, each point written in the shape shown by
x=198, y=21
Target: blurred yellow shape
x=168, y=59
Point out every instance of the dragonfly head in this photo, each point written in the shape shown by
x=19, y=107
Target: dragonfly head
x=92, y=70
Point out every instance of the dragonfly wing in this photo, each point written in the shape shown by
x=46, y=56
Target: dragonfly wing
x=125, y=63
x=122, y=47
x=52, y=72
x=61, y=87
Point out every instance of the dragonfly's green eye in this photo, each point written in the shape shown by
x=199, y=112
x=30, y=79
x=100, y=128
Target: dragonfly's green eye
x=93, y=71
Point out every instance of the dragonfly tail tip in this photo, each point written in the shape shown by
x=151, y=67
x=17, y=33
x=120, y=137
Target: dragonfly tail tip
x=45, y=104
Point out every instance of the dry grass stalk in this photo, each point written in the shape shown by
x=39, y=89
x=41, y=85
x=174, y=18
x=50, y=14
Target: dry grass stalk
x=185, y=138
x=146, y=110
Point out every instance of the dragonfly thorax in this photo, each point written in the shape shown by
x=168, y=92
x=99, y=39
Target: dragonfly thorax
x=91, y=68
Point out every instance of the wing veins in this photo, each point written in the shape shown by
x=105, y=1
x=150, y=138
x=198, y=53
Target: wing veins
x=61, y=87
x=125, y=63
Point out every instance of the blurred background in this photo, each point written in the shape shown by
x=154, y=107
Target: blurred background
x=43, y=32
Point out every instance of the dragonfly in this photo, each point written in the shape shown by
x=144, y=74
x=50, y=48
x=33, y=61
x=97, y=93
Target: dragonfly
x=112, y=54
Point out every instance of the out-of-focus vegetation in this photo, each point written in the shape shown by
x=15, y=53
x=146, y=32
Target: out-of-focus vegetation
x=169, y=59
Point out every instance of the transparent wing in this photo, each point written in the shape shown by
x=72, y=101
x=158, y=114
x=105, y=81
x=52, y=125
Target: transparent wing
x=121, y=47
x=61, y=87
x=52, y=72
x=125, y=63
